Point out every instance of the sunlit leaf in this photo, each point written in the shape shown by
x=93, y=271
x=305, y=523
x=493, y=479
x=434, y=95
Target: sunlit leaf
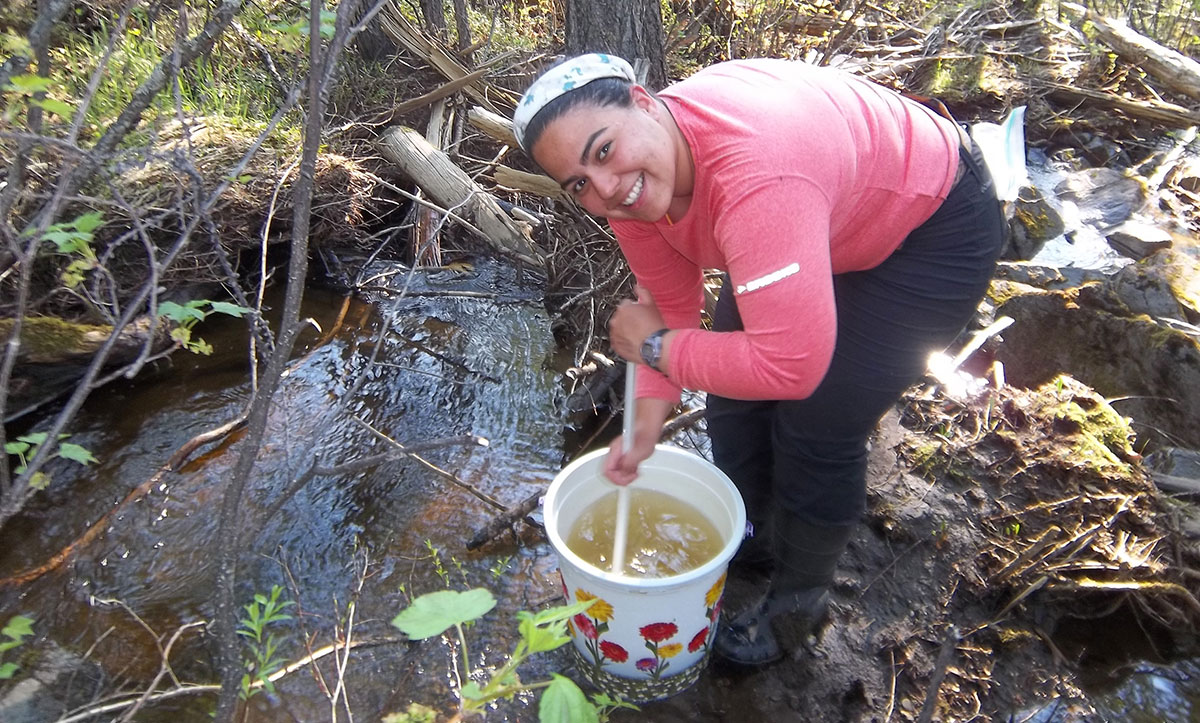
x=541, y=638
x=30, y=84
x=564, y=702
x=433, y=613
x=57, y=107
x=39, y=480
x=35, y=439
x=75, y=453
x=471, y=691
x=7, y=670
x=16, y=447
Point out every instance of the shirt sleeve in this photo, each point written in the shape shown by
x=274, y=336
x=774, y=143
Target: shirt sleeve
x=774, y=235
x=676, y=285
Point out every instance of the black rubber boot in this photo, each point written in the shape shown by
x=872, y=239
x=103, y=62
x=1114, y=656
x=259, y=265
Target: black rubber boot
x=806, y=557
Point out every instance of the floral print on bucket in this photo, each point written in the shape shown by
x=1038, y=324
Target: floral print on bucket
x=662, y=639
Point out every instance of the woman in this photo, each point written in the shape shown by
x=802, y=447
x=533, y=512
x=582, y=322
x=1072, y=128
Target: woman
x=858, y=230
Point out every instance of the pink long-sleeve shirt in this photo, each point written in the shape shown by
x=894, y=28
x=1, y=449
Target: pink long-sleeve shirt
x=801, y=172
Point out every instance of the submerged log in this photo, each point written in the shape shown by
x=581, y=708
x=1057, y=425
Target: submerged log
x=455, y=191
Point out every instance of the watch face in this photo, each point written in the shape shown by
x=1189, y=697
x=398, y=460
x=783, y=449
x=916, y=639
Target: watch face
x=652, y=349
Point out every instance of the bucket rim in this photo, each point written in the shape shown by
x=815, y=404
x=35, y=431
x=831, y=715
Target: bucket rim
x=718, y=561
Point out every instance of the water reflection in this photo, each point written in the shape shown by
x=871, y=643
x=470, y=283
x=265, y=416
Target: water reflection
x=464, y=353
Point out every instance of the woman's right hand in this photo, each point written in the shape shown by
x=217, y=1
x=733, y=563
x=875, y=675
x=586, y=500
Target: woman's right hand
x=621, y=465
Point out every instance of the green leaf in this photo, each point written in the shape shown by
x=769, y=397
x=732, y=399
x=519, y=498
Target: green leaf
x=35, y=439
x=433, y=613
x=75, y=453
x=178, y=312
x=7, y=670
x=16, y=447
x=57, y=107
x=39, y=480
x=89, y=221
x=540, y=639
x=18, y=627
x=564, y=702
x=562, y=612
x=224, y=307
x=471, y=691
x=30, y=84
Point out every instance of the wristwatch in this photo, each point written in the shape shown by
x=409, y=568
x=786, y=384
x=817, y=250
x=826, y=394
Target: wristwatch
x=652, y=349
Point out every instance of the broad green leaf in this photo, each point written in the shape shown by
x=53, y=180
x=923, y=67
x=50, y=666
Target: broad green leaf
x=564, y=702
x=39, y=480
x=7, y=670
x=35, y=439
x=433, y=613
x=30, y=84
x=471, y=691
x=178, y=312
x=75, y=453
x=18, y=626
x=57, y=107
x=224, y=307
x=16, y=447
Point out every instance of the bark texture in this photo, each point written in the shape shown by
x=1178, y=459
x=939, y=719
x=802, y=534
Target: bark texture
x=631, y=29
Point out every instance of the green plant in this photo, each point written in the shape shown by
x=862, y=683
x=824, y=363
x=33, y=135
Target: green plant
x=193, y=312
x=15, y=630
x=74, y=239
x=263, y=645
x=32, y=89
x=435, y=613
x=26, y=448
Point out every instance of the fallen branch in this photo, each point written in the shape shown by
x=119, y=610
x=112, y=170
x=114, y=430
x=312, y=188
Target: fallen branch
x=451, y=187
x=1151, y=110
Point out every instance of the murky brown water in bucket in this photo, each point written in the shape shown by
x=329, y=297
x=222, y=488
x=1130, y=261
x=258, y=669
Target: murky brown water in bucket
x=667, y=536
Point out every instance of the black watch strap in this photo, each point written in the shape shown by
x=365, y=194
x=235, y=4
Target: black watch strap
x=652, y=349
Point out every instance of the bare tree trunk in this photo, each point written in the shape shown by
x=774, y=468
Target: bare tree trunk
x=632, y=29
x=435, y=18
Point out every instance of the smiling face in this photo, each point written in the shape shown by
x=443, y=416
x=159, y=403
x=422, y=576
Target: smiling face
x=619, y=163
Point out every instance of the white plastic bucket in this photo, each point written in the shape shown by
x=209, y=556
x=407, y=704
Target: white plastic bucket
x=647, y=638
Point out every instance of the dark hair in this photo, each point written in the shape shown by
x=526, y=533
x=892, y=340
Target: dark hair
x=600, y=92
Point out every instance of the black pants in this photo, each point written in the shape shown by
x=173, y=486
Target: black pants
x=810, y=455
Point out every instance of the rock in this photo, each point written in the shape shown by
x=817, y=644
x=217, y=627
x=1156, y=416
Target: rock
x=1175, y=461
x=1047, y=277
x=1103, y=196
x=1179, y=266
x=1144, y=291
x=1137, y=240
x=1151, y=372
x=1034, y=222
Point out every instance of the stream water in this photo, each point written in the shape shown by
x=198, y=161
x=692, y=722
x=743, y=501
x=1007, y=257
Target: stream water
x=461, y=352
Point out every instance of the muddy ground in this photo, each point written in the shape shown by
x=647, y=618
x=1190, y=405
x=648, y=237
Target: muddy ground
x=990, y=524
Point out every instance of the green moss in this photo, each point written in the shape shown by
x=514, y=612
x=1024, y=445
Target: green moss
x=50, y=338
x=1101, y=436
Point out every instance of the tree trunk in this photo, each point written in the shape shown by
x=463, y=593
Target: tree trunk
x=632, y=29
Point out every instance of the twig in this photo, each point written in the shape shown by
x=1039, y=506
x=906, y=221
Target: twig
x=505, y=521
x=945, y=655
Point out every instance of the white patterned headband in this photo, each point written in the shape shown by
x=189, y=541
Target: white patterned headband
x=562, y=78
